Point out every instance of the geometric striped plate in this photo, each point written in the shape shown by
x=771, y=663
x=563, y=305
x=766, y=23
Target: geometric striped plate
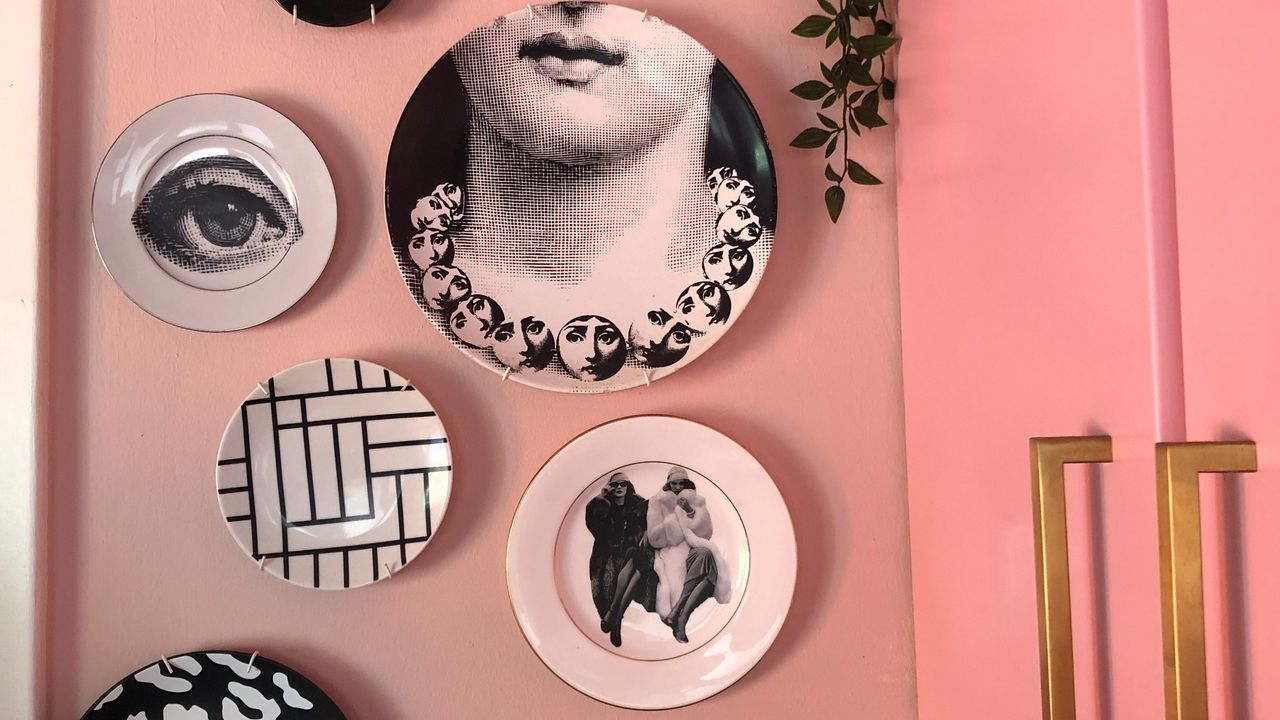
x=334, y=474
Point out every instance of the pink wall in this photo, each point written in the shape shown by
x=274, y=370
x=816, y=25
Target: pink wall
x=138, y=561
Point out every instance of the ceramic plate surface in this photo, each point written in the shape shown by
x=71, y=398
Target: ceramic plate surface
x=581, y=197
x=214, y=212
x=214, y=684
x=651, y=562
x=334, y=474
x=334, y=13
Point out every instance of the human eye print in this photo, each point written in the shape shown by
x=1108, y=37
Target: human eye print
x=608, y=336
x=504, y=332
x=216, y=214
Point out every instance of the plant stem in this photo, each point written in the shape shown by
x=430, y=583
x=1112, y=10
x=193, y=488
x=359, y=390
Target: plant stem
x=844, y=116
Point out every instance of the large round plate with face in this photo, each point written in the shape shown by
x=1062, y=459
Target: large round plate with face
x=651, y=562
x=334, y=474
x=214, y=212
x=334, y=13
x=581, y=197
x=214, y=684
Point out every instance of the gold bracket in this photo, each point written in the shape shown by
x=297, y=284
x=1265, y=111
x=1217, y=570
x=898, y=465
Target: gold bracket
x=1053, y=586
x=1178, y=468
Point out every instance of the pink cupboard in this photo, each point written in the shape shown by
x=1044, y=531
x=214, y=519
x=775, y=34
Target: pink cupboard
x=1086, y=231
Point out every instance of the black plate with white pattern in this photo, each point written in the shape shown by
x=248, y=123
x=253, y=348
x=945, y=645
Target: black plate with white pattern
x=214, y=684
x=334, y=13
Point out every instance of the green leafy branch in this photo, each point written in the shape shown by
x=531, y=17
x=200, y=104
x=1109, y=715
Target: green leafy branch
x=855, y=83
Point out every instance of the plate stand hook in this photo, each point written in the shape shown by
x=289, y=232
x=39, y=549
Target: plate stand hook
x=253, y=657
x=295, y=13
x=506, y=373
x=646, y=377
x=373, y=14
x=168, y=668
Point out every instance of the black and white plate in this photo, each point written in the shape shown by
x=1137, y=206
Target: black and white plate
x=580, y=196
x=334, y=13
x=214, y=212
x=334, y=474
x=651, y=562
x=214, y=684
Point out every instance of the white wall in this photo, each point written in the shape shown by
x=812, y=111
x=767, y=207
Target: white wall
x=20, y=91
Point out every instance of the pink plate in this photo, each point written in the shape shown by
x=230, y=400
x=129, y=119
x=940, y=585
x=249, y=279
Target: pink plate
x=632, y=567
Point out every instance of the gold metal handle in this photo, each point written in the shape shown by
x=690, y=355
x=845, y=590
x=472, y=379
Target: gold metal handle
x=1178, y=468
x=1053, y=586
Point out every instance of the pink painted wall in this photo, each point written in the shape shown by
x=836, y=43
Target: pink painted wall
x=138, y=561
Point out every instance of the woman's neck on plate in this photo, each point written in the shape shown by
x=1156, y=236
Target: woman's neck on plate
x=660, y=188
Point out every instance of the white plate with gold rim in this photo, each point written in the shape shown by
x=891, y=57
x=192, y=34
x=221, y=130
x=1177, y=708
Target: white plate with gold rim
x=214, y=212
x=651, y=562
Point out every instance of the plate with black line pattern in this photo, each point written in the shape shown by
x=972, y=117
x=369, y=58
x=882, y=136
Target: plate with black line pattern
x=214, y=683
x=334, y=474
x=214, y=212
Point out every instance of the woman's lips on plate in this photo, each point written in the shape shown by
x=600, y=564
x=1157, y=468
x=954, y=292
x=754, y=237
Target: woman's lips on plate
x=575, y=61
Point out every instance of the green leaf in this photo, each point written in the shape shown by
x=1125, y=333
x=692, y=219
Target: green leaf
x=869, y=46
x=831, y=174
x=828, y=121
x=853, y=125
x=853, y=98
x=826, y=5
x=811, y=138
x=831, y=146
x=827, y=73
x=884, y=27
x=861, y=74
x=835, y=202
x=889, y=89
x=812, y=26
x=868, y=111
x=811, y=89
x=831, y=37
x=871, y=101
x=831, y=100
x=859, y=174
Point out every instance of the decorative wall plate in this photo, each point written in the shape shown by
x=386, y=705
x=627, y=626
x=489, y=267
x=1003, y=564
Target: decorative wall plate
x=214, y=684
x=651, y=562
x=214, y=212
x=334, y=13
x=334, y=474
x=580, y=196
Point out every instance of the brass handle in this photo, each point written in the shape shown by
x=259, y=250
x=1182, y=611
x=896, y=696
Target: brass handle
x=1053, y=586
x=1178, y=468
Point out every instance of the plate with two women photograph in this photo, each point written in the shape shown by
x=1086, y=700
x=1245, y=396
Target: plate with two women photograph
x=580, y=196
x=651, y=562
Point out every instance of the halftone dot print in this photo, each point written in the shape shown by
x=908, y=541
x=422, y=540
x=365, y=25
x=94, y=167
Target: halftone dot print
x=575, y=161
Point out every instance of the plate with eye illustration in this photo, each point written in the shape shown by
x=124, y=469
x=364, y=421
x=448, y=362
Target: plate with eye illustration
x=580, y=196
x=214, y=212
x=334, y=13
x=214, y=684
x=651, y=562
x=334, y=474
